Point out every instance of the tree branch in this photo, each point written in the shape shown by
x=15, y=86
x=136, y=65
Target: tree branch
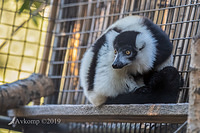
x=23, y=91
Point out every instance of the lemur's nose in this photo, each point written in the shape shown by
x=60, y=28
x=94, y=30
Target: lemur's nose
x=114, y=65
x=117, y=65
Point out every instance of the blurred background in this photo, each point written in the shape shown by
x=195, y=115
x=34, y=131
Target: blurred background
x=22, y=38
x=23, y=29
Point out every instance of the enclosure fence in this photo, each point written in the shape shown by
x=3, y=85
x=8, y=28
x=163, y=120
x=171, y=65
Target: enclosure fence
x=21, y=40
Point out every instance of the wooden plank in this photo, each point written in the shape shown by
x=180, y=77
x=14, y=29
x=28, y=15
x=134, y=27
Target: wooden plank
x=159, y=113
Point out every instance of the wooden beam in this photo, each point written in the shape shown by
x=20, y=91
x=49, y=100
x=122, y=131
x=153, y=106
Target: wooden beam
x=194, y=92
x=49, y=34
x=159, y=113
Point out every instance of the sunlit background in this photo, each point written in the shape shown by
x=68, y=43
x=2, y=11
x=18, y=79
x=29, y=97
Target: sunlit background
x=21, y=41
x=21, y=55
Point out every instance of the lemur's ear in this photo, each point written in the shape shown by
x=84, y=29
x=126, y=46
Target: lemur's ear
x=143, y=46
x=117, y=30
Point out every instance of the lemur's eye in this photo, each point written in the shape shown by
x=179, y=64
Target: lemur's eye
x=128, y=52
x=115, y=52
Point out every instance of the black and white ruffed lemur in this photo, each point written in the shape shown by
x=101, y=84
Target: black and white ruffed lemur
x=131, y=62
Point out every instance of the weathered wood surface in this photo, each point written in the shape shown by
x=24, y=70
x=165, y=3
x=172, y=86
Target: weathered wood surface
x=172, y=113
x=23, y=91
x=49, y=34
x=48, y=40
x=194, y=92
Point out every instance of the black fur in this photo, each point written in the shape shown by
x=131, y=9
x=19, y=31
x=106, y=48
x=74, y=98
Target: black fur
x=161, y=87
x=126, y=38
x=126, y=41
x=92, y=69
x=117, y=30
x=164, y=46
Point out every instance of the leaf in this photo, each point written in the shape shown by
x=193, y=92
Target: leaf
x=35, y=20
x=25, y=5
x=37, y=4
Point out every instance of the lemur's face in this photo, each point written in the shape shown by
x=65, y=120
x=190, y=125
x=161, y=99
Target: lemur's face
x=125, y=49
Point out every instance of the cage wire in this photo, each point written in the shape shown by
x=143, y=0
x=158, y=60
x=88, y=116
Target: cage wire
x=22, y=39
x=124, y=128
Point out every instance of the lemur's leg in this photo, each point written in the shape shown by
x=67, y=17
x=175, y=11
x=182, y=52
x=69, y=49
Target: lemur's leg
x=96, y=99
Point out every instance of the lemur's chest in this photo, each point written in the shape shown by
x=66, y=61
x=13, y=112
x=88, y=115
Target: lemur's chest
x=132, y=83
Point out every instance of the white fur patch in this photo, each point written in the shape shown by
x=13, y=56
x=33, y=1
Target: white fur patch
x=85, y=64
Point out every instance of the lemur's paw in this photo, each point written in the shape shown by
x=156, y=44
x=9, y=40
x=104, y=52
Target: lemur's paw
x=97, y=100
x=143, y=90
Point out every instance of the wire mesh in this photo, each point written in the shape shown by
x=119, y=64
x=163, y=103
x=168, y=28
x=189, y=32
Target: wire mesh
x=22, y=40
x=100, y=127
x=79, y=23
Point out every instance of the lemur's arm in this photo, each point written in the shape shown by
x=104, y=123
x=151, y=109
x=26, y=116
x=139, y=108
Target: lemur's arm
x=162, y=87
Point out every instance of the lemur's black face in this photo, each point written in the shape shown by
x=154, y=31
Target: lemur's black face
x=125, y=49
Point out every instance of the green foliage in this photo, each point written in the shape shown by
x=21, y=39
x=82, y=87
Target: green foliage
x=25, y=6
x=35, y=20
x=32, y=6
x=22, y=48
